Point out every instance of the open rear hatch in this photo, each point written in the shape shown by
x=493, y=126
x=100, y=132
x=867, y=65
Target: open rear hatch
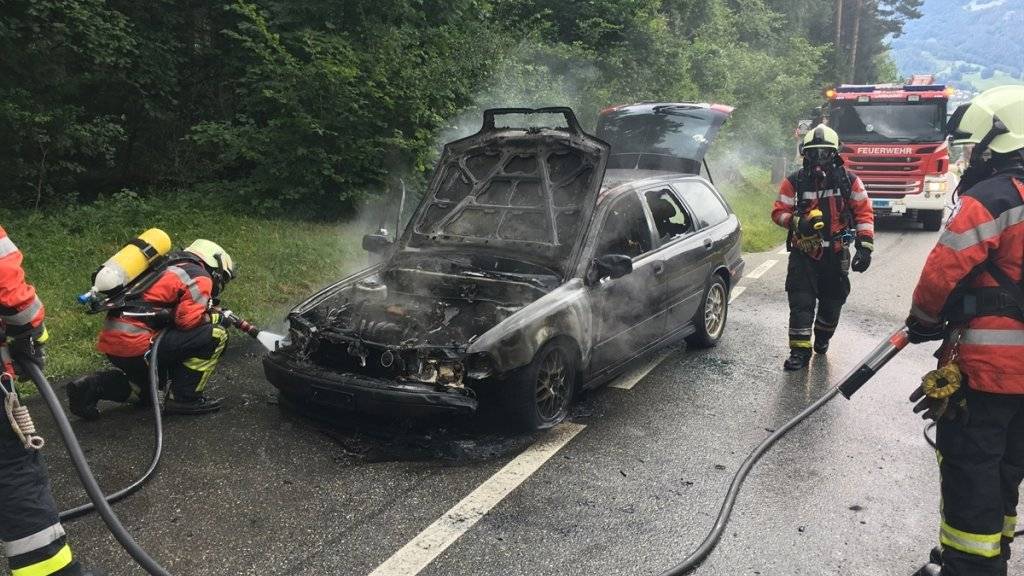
x=666, y=137
x=524, y=185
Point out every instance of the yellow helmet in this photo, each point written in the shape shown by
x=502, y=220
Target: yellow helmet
x=994, y=120
x=217, y=260
x=821, y=136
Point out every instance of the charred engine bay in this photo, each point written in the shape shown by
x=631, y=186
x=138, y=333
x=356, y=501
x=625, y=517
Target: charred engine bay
x=414, y=321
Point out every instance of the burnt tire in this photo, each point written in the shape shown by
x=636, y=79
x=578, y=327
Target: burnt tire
x=711, y=316
x=538, y=395
x=932, y=220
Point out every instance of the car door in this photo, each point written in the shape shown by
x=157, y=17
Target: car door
x=685, y=253
x=704, y=203
x=628, y=313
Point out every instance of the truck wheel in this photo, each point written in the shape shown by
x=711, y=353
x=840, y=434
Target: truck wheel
x=711, y=316
x=932, y=219
x=538, y=396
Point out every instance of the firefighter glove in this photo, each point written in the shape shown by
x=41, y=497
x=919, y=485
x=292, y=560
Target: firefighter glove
x=220, y=317
x=919, y=331
x=861, y=260
x=29, y=349
x=931, y=408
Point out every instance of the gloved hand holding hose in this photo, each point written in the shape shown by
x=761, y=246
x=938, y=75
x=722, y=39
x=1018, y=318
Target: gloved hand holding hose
x=29, y=349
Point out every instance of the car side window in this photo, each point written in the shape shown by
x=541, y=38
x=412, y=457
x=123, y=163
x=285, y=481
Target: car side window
x=670, y=218
x=625, y=229
x=705, y=203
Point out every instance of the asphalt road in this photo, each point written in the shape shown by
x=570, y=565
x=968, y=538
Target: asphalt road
x=628, y=487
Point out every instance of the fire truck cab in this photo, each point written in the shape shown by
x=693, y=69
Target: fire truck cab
x=893, y=138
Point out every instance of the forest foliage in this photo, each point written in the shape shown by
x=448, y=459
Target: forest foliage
x=309, y=106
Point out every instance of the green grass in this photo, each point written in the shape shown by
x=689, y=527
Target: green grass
x=751, y=196
x=280, y=261
x=998, y=79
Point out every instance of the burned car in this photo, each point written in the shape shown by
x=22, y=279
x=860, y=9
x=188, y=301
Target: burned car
x=530, y=270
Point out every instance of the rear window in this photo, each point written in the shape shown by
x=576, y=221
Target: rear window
x=704, y=202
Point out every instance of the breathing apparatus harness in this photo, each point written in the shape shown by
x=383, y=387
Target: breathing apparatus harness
x=837, y=175
x=128, y=301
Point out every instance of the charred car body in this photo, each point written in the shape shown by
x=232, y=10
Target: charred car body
x=525, y=274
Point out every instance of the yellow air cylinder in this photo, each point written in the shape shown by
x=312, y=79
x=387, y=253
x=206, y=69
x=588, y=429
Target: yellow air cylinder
x=816, y=216
x=131, y=261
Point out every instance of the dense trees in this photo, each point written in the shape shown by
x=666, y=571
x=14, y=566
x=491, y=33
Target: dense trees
x=309, y=105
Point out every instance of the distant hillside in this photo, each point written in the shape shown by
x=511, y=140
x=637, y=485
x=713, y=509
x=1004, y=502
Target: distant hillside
x=972, y=44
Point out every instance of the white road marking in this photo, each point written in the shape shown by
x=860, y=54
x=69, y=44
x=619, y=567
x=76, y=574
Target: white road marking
x=760, y=270
x=630, y=379
x=436, y=538
x=783, y=250
x=736, y=293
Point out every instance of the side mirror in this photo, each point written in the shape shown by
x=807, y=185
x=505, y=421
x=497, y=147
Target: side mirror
x=376, y=243
x=609, y=266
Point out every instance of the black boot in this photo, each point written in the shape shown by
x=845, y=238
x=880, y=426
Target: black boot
x=821, y=345
x=201, y=405
x=934, y=565
x=798, y=359
x=85, y=392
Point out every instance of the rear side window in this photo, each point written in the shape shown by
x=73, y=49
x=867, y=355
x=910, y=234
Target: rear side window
x=670, y=219
x=704, y=202
x=625, y=229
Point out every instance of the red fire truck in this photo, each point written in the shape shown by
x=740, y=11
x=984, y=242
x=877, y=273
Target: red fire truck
x=893, y=138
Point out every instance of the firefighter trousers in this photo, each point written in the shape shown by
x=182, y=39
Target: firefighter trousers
x=33, y=537
x=981, y=462
x=187, y=359
x=815, y=283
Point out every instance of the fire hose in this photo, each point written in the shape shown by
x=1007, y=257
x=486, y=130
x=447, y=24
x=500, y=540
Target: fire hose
x=100, y=502
x=848, y=386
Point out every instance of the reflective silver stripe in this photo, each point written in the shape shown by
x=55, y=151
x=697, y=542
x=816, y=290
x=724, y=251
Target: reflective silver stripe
x=821, y=194
x=921, y=314
x=121, y=326
x=25, y=316
x=44, y=537
x=189, y=283
x=1009, y=526
x=5, y=358
x=993, y=337
x=7, y=247
x=787, y=200
x=981, y=232
x=858, y=196
x=961, y=541
x=865, y=226
x=799, y=331
x=784, y=218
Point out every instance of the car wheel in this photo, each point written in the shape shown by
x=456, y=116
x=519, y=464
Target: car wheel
x=711, y=316
x=538, y=396
x=932, y=220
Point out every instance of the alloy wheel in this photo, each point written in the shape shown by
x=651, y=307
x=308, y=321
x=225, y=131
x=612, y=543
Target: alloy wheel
x=714, y=310
x=553, y=384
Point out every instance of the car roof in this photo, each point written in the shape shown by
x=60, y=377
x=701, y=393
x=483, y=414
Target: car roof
x=642, y=180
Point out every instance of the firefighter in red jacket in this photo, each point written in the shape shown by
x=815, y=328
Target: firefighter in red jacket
x=825, y=209
x=33, y=537
x=178, y=302
x=970, y=295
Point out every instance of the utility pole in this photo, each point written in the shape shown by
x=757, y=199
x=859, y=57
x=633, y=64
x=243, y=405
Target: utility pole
x=836, y=44
x=857, y=6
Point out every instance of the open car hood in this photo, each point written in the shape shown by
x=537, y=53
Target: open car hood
x=527, y=188
x=667, y=137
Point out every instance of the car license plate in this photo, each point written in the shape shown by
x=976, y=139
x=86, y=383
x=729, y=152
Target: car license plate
x=881, y=203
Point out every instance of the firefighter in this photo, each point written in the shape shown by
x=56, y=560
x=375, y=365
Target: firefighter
x=970, y=296
x=179, y=303
x=825, y=208
x=33, y=537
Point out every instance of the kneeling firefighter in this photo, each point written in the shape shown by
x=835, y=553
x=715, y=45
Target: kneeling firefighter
x=175, y=297
x=33, y=537
x=971, y=296
x=825, y=209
